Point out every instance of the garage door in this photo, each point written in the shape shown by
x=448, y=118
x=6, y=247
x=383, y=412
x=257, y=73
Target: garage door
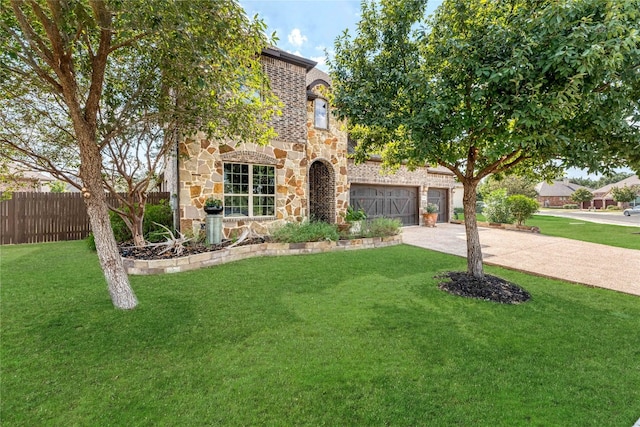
x=438, y=196
x=387, y=201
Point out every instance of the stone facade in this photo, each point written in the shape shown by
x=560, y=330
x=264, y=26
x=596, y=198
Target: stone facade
x=294, y=151
x=313, y=174
x=329, y=146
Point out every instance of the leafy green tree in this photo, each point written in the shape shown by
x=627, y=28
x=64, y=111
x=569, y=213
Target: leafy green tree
x=522, y=207
x=601, y=182
x=625, y=194
x=514, y=184
x=581, y=195
x=585, y=182
x=497, y=208
x=485, y=87
x=81, y=79
x=58, y=187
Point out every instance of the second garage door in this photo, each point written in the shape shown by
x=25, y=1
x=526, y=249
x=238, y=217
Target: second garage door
x=387, y=201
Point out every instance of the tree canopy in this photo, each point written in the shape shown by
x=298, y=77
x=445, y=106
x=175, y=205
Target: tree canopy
x=581, y=195
x=86, y=84
x=602, y=181
x=625, y=194
x=486, y=86
x=514, y=184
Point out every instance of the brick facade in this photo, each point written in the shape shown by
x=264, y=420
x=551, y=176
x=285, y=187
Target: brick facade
x=288, y=82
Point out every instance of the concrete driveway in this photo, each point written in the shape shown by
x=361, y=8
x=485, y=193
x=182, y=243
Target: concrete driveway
x=571, y=260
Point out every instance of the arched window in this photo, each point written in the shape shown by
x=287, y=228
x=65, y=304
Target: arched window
x=321, y=113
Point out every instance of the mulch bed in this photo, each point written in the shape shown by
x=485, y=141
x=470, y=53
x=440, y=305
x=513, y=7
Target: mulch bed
x=491, y=288
x=128, y=250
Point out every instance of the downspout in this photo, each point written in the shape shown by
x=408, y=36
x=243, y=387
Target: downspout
x=175, y=198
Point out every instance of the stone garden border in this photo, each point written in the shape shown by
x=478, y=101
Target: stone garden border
x=514, y=227
x=223, y=256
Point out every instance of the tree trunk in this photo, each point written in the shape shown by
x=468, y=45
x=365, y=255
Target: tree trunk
x=115, y=274
x=138, y=235
x=95, y=198
x=134, y=223
x=474, y=250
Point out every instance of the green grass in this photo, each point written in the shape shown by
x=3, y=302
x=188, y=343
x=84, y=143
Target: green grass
x=350, y=338
x=570, y=228
x=605, y=234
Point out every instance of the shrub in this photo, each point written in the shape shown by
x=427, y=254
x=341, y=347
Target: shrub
x=307, y=231
x=522, y=207
x=613, y=208
x=497, y=209
x=154, y=213
x=90, y=240
x=479, y=207
x=570, y=206
x=120, y=230
x=157, y=214
x=195, y=237
x=431, y=208
x=354, y=214
x=383, y=227
x=458, y=211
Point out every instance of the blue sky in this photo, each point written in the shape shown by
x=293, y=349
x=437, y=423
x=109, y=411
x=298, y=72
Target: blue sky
x=309, y=27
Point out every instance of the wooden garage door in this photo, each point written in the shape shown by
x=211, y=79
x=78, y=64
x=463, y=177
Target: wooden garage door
x=439, y=197
x=387, y=201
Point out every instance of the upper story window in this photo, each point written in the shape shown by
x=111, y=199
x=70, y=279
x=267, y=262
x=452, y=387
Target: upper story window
x=250, y=95
x=249, y=190
x=321, y=113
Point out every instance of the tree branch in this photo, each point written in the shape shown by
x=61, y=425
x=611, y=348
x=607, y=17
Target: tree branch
x=98, y=61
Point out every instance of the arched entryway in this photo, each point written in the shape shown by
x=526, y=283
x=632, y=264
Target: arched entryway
x=322, y=192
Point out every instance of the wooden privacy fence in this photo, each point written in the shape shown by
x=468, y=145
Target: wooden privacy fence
x=48, y=217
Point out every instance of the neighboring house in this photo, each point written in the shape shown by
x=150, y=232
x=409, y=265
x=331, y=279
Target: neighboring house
x=558, y=193
x=21, y=179
x=602, y=197
x=303, y=173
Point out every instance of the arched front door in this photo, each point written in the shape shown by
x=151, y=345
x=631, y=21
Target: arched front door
x=321, y=192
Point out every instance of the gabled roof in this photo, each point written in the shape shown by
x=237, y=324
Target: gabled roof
x=557, y=189
x=21, y=173
x=605, y=191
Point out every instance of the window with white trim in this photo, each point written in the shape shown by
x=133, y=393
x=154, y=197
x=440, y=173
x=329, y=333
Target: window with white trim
x=249, y=190
x=321, y=113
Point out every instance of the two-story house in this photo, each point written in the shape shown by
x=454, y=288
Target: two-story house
x=305, y=172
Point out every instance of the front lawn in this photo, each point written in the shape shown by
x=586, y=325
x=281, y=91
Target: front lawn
x=356, y=338
x=605, y=234
x=570, y=228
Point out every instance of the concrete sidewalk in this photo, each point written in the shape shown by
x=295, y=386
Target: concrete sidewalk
x=571, y=260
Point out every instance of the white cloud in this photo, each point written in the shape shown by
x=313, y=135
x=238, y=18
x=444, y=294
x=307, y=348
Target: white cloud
x=296, y=38
x=321, y=60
